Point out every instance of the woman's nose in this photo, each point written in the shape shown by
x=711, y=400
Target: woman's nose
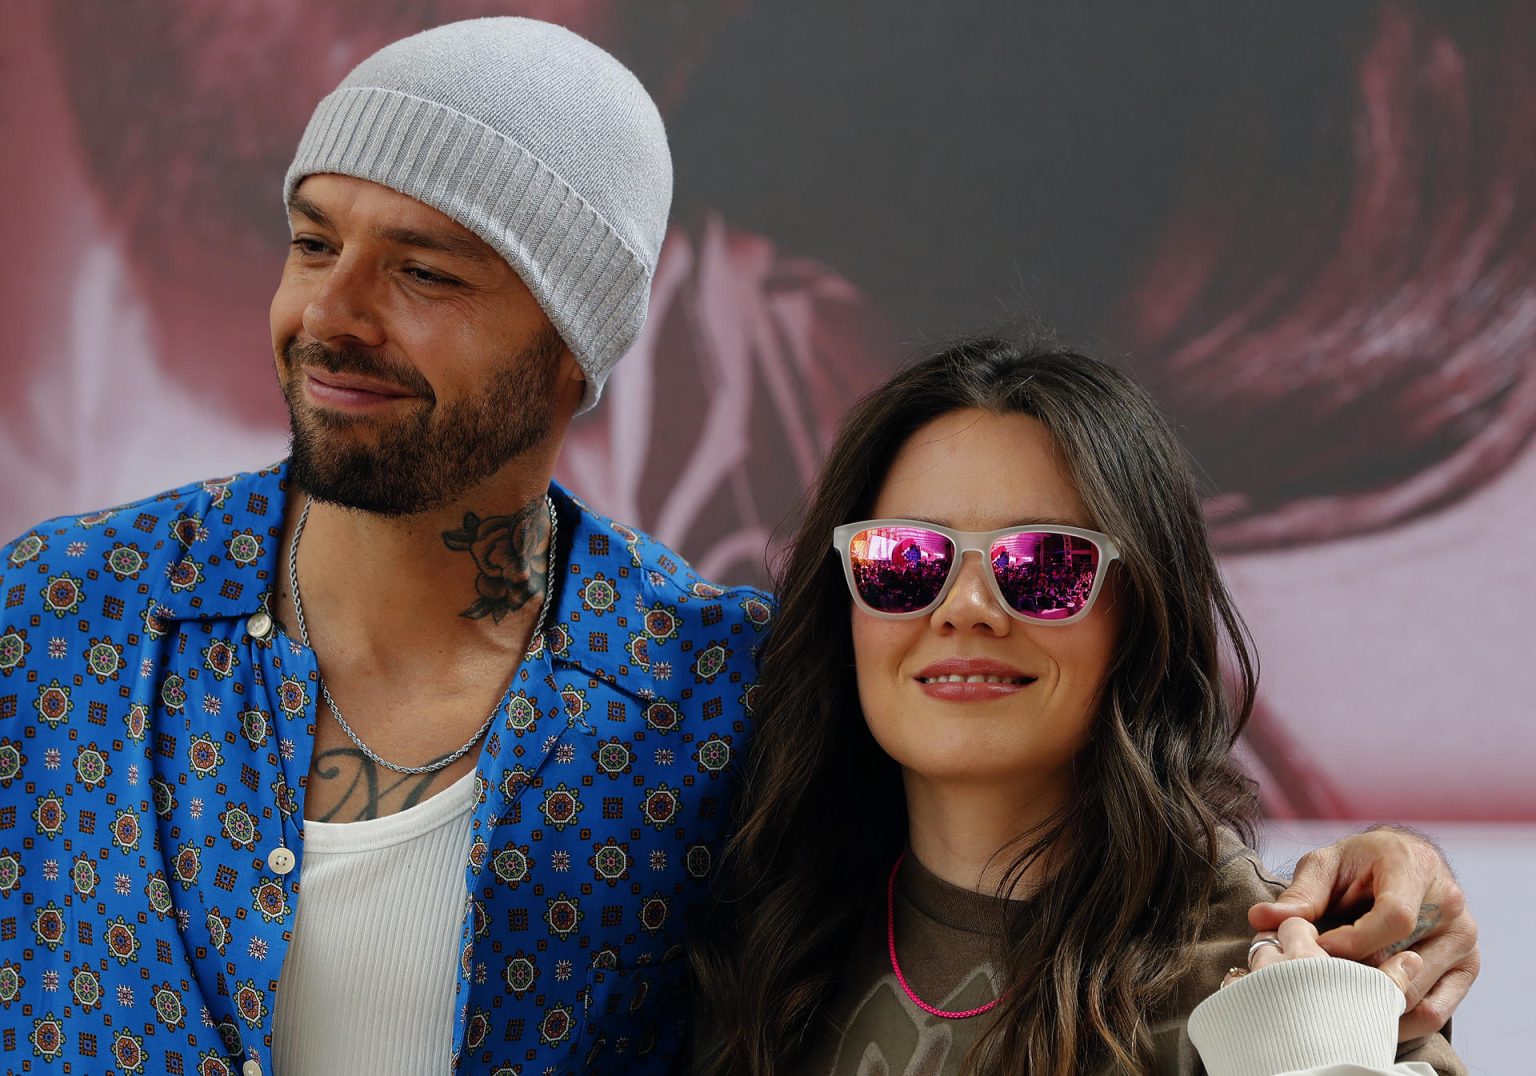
x=972, y=603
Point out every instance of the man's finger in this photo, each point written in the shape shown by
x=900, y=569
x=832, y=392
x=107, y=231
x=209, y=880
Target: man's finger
x=1308, y=896
x=1435, y=1008
x=1445, y=953
x=1400, y=915
x=1389, y=927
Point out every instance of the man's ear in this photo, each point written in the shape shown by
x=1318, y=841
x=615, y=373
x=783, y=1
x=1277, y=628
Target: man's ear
x=572, y=381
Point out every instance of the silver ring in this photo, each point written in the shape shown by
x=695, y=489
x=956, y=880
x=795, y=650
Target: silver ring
x=1261, y=943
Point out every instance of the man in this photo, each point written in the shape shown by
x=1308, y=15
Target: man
x=493, y=734
x=764, y=344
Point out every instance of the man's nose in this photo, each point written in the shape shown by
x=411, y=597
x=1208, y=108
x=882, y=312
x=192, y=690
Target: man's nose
x=345, y=306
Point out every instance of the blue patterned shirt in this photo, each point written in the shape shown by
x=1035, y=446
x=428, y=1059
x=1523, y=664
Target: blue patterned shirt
x=155, y=735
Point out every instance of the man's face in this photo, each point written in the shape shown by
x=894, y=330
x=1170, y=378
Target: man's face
x=415, y=362
x=186, y=123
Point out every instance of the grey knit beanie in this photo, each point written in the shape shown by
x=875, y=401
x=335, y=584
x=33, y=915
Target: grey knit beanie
x=534, y=139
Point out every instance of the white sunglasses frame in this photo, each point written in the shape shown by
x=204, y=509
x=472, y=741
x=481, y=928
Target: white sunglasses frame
x=979, y=542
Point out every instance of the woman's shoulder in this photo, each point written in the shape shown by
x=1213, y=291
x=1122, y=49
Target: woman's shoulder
x=1242, y=880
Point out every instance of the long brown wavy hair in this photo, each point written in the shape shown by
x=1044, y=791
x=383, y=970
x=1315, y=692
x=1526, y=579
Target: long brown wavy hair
x=822, y=818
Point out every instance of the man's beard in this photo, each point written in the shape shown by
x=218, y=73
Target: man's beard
x=423, y=459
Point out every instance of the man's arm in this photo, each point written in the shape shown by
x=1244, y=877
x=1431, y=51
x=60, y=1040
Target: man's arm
x=1411, y=900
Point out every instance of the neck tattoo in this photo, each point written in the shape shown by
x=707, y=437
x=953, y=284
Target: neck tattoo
x=890, y=938
x=449, y=759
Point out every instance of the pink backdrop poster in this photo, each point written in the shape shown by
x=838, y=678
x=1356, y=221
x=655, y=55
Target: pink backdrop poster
x=1309, y=228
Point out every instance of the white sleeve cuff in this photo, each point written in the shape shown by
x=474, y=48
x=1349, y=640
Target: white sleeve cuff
x=1405, y=1068
x=1299, y=1015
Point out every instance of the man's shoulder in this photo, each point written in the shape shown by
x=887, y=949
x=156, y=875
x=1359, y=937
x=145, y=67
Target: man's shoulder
x=166, y=541
x=679, y=636
x=651, y=567
x=154, y=516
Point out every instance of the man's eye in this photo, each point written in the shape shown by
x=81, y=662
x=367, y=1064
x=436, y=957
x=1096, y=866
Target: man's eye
x=306, y=245
x=427, y=276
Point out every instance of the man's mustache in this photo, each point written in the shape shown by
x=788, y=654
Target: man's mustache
x=356, y=360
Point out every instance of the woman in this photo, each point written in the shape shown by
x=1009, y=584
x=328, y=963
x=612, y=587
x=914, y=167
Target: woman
x=993, y=824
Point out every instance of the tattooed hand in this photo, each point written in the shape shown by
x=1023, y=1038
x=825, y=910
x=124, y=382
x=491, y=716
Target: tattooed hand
x=510, y=554
x=1396, y=892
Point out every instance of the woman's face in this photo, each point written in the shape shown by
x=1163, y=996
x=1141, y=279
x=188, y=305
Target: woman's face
x=977, y=471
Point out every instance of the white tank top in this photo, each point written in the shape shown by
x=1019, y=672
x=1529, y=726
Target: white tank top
x=368, y=984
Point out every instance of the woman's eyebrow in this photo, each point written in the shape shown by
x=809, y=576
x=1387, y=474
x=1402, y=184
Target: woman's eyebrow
x=1047, y=521
x=1022, y=521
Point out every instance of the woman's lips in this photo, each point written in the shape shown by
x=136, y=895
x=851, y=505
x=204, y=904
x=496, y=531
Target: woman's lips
x=971, y=680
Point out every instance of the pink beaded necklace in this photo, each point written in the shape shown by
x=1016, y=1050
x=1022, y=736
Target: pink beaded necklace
x=890, y=938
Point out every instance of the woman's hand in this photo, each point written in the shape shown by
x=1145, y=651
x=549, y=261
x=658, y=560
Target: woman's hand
x=1297, y=940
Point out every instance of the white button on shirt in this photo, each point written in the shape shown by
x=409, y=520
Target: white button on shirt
x=280, y=860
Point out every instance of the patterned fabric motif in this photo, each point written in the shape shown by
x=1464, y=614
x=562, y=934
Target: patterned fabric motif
x=153, y=753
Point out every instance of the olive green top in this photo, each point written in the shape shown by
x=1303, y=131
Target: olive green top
x=946, y=939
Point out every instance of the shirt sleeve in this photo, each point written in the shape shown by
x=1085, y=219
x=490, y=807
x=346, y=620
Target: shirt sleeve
x=1315, y=1017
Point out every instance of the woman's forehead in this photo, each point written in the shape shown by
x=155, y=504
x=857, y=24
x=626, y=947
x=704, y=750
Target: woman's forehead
x=976, y=470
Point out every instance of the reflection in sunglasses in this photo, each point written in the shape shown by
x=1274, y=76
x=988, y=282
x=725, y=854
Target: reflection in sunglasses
x=1041, y=574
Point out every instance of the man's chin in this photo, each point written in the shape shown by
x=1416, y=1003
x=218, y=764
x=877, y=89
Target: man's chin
x=350, y=425
x=361, y=490
x=334, y=467
x=347, y=501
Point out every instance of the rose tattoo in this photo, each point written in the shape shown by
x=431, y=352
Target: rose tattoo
x=510, y=556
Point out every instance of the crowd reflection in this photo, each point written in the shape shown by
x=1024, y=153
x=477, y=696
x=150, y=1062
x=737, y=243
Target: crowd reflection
x=1046, y=575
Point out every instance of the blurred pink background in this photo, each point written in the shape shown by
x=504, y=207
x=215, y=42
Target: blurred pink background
x=1311, y=232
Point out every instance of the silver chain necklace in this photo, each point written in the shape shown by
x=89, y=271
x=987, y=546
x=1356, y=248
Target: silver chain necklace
x=446, y=760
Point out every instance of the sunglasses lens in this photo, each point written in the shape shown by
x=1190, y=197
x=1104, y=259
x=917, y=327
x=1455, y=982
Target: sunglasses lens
x=900, y=569
x=1045, y=576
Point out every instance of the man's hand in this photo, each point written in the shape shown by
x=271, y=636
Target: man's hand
x=1410, y=900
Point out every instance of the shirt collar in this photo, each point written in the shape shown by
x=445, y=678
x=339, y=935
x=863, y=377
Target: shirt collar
x=230, y=533
x=232, y=553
